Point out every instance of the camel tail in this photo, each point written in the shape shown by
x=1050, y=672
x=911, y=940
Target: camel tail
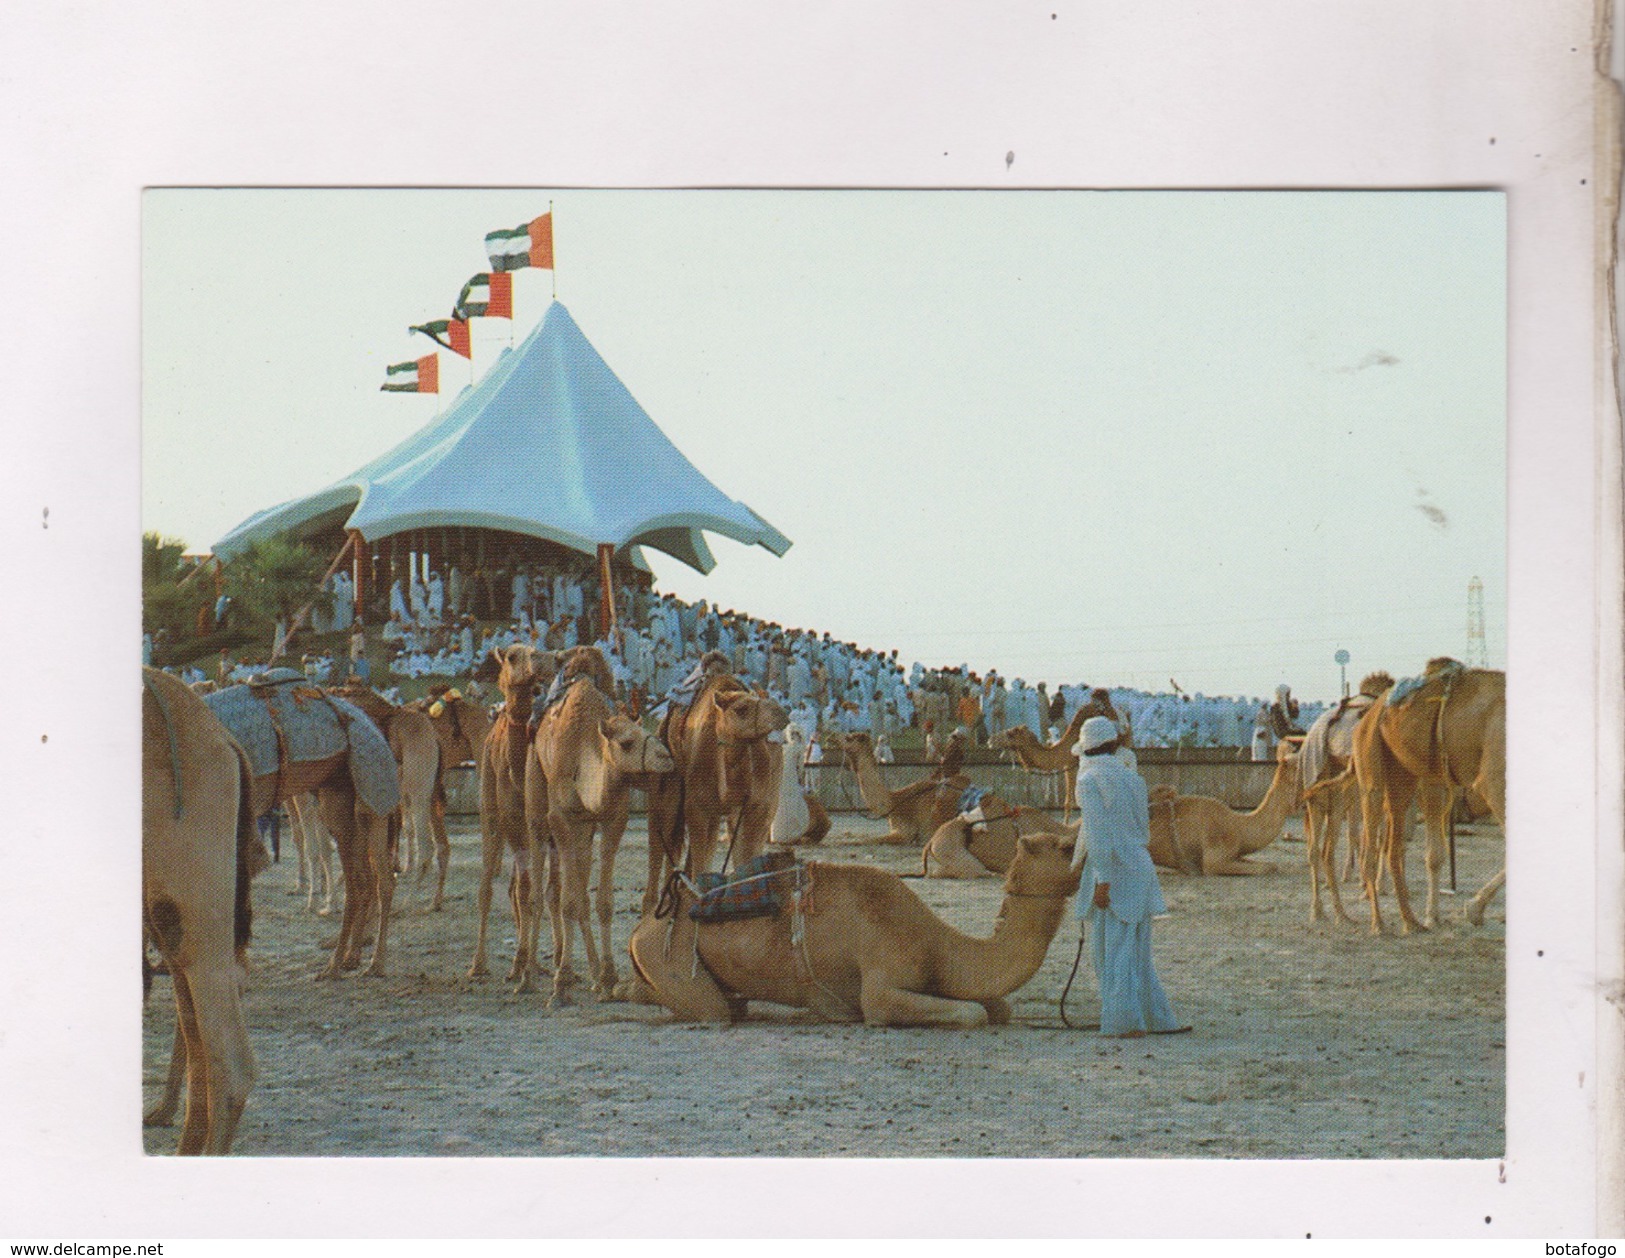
x=250, y=858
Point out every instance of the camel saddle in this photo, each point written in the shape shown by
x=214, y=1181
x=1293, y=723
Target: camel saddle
x=756, y=890
x=1403, y=690
x=280, y=716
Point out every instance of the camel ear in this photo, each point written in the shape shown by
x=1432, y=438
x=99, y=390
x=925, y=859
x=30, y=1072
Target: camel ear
x=730, y=698
x=490, y=667
x=1030, y=844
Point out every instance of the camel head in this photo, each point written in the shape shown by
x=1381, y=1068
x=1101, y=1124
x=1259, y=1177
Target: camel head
x=587, y=661
x=854, y=747
x=518, y=670
x=1042, y=867
x=1374, y=685
x=1010, y=739
x=746, y=715
x=633, y=750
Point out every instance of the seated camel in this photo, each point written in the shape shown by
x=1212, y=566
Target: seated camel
x=914, y=811
x=1200, y=835
x=856, y=944
x=519, y=672
x=199, y=850
x=981, y=841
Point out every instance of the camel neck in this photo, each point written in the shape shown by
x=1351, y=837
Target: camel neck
x=978, y=969
x=870, y=784
x=1279, y=803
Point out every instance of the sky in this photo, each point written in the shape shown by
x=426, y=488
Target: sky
x=1122, y=438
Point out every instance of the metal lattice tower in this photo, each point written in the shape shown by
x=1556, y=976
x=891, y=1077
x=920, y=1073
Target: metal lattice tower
x=1478, y=655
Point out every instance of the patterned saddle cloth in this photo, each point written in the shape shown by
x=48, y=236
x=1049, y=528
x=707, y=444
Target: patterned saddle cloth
x=757, y=890
x=1404, y=689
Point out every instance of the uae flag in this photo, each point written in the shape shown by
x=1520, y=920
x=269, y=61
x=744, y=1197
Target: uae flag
x=529, y=244
x=422, y=375
x=486, y=296
x=452, y=333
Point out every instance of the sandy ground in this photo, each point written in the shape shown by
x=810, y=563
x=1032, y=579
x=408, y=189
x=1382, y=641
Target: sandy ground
x=1309, y=1042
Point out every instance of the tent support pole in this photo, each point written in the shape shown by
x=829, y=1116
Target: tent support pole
x=606, y=594
x=360, y=591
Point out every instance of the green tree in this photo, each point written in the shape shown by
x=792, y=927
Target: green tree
x=272, y=580
x=164, y=604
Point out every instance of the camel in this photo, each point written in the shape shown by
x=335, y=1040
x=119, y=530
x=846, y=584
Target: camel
x=726, y=770
x=1023, y=746
x=1200, y=835
x=519, y=671
x=461, y=726
x=357, y=788
x=589, y=754
x=199, y=850
x=1328, y=790
x=1447, y=732
x=416, y=746
x=312, y=843
x=981, y=842
x=801, y=817
x=917, y=810
x=858, y=945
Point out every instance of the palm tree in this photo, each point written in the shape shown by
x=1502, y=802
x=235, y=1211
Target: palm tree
x=164, y=604
x=273, y=580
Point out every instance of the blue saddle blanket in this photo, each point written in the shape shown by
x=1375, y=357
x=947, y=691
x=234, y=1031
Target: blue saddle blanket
x=314, y=726
x=1403, y=690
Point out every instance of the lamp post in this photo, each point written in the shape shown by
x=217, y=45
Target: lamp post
x=1342, y=658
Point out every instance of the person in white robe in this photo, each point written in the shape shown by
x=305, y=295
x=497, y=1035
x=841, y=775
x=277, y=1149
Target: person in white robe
x=1119, y=893
x=437, y=599
x=397, y=601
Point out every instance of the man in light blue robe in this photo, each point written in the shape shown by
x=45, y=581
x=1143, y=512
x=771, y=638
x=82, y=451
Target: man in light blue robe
x=1119, y=893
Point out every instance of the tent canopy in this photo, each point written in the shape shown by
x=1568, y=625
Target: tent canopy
x=549, y=444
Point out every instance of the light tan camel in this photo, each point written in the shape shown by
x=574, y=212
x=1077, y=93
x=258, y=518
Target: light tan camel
x=314, y=846
x=589, y=755
x=1200, y=835
x=1023, y=746
x=416, y=747
x=917, y=810
x=1330, y=802
x=199, y=850
x=981, y=843
x=801, y=817
x=461, y=725
x=727, y=771
x=858, y=944
x=1449, y=734
x=519, y=672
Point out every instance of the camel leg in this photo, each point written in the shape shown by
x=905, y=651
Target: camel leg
x=163, y=1113
x=442, y=849
x=373, y=832
x=1436, y=802
x=610, y=831
x=1481, y=901
x=572, y=839
x=998, y=1011
x=216, y=1004
x=336, y=808
x=1401, y=789
x=952, y=859
x=702, y=842
x=884, y=1005
x=491, y=848
x=195, y=1127
x=1314, y=833
x=1374, y=819
x=1237, y=866
x=1340, y=824
x=663, y=954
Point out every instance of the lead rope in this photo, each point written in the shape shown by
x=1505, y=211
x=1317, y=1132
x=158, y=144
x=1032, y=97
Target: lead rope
x=1077, y=957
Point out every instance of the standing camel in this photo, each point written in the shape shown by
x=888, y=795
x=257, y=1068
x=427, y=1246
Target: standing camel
x=589, y=754
x=416, y=747
x=1201, y=835
x=1447, y=731
x=726, y=770
x=300, y=740
x=1329, y=795
x=461, y=727
x=199, y=849
x=915, y=811
x=519, y=672
x=1022, y=745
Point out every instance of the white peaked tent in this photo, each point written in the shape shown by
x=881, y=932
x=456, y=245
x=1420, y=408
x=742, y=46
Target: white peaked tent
x=549, y=444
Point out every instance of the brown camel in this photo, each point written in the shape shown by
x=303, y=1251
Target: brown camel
x=727, y=770
x=981, y=843
x=519, y=672
x=917, y=810
x=1329, y=797
x=858, y=944
x=1200, y=835
x=589, y=754
x=199, y=849
x=1022, y=745
x=360, y=832
x=801, y=817
x=1448, y=733
x=461, y=725
x=416, y=746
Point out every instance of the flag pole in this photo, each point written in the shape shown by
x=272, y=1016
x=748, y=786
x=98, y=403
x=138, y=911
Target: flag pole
x=551, y=223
